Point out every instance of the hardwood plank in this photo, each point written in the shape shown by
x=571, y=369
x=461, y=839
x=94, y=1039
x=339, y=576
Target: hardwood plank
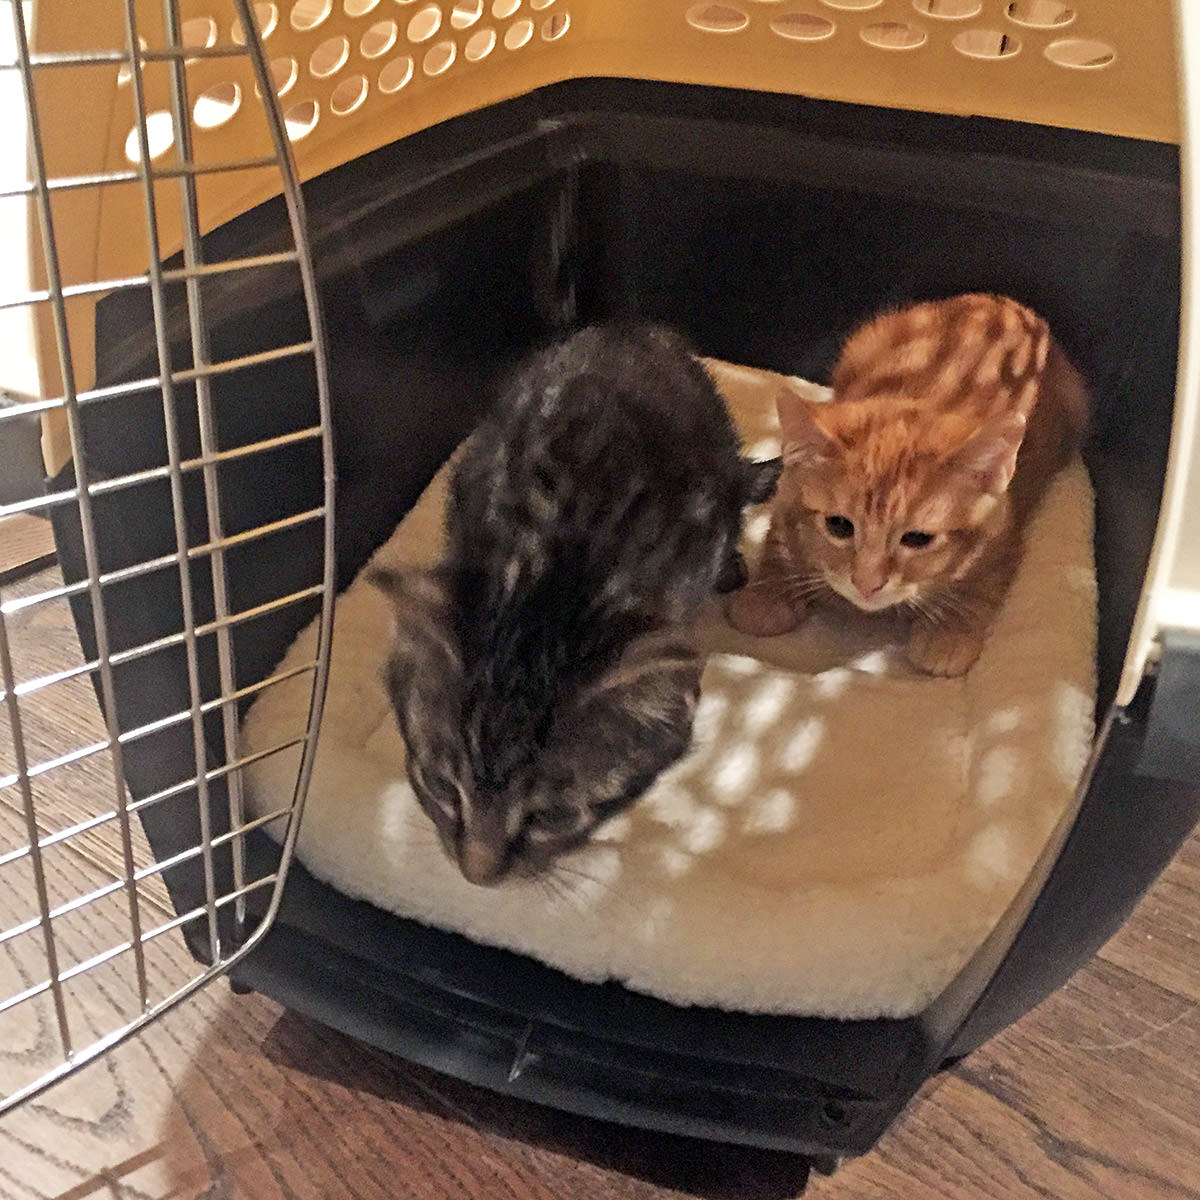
x=26, y=543
x=1160, y=941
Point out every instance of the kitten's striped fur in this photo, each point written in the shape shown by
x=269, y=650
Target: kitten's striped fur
x=947, y=422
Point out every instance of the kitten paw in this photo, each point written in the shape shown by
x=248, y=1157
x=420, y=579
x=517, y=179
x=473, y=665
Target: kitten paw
x=761, y=613
x=943, y=651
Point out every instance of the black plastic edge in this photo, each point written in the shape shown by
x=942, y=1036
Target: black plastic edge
x=1172, y=746
x=531, y=1060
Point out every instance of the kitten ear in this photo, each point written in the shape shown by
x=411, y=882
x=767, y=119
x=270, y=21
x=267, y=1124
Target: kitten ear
x=760, y=479
x=401, y=584
x=425, y=658
x=418, y=598
x=805, y=443
x=989, y=457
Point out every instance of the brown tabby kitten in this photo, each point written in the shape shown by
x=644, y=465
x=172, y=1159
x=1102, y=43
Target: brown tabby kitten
x=541, y=675
x=911, y=487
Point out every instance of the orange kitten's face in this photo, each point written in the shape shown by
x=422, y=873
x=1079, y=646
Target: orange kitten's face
x=886, y=504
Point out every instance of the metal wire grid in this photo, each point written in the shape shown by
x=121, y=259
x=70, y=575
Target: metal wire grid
x=54, y=1028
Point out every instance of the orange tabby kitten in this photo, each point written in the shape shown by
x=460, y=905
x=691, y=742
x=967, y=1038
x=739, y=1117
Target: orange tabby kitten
x=911, y=487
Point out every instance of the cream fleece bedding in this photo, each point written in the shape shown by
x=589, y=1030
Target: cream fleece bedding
x=841, y=838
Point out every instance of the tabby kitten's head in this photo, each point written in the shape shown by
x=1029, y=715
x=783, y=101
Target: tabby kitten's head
x=887, y=500
x=506, y=797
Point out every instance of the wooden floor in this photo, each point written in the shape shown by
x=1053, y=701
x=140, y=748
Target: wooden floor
x=1093, y=1096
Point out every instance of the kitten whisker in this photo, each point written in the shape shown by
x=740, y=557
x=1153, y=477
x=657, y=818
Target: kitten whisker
x=802, y=587
x=609, y=894
x=803, y=577
x=946, y=605
x=561, y=892
x=807, y=588
x=547, y=885
x=922, y=607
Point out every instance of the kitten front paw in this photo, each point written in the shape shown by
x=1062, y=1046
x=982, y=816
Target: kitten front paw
x=761, y=613
x=944, y=652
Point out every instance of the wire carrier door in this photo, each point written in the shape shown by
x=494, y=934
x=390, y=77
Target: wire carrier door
x=90, y=925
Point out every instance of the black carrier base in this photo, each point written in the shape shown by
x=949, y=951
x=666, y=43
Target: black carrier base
x=765, y=226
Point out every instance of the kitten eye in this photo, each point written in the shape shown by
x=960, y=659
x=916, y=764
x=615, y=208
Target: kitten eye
x=839, y=527
x=549, y=820
x=603, y=809
x=916, y=539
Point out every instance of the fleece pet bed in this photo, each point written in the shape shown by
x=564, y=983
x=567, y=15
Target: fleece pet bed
x=840, y=839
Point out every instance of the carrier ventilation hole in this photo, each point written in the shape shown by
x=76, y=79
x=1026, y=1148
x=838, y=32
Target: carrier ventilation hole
x=1040, y=14
x=198, y=31
x=301, y=119
x=803, y=27
x=125, y=71
x=379, y=39
x=308, y=14
x=893, y=35
x=852, y=5
x=438, y=58
x=359, y=8
x=329, y=57
x=395, y=75
x=555, y=26
x=160, y=135
x=217, y=106
x=480, y=45
x=986, y=43
x=717, y=18
x=283, y=74
x=265, y=15
x=1081, y=54
x=538, y=5
x=503, y=9
x=465, y=13
x=425, y=24
x=517, y=34
x=348, y=95
x=949, y=10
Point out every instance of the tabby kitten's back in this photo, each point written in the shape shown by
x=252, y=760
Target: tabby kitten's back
x=911, y=488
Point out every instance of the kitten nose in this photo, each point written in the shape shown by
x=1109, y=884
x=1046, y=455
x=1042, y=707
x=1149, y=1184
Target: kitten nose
x=869, y=582
x=479, y=863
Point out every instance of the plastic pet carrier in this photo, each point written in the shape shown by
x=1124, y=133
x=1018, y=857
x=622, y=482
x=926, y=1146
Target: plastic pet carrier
x=479, y=178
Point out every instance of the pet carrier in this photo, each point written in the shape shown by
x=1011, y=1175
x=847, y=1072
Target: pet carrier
x=477, y=178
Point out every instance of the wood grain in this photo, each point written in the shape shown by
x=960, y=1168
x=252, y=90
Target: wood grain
x=26, y=542
x=1093, y=1096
